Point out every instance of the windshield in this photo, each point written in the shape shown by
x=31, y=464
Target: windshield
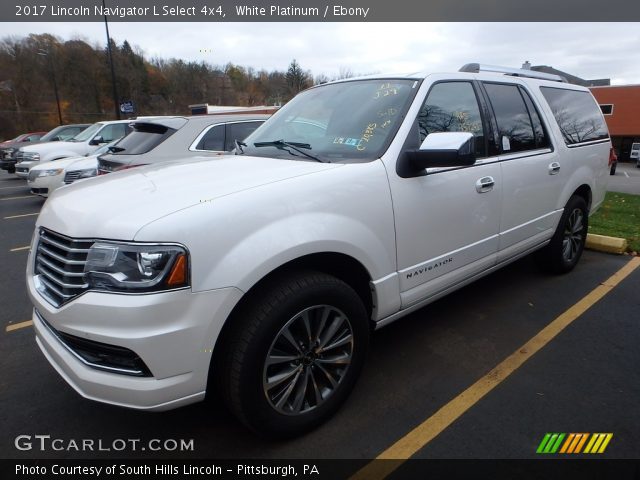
x=88, y=133
x=354, y=120
x=51, y=134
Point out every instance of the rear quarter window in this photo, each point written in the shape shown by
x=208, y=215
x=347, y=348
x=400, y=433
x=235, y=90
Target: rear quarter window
x=577, y=113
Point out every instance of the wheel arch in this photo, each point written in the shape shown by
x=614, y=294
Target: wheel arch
x=584, y=191
x=339, y=265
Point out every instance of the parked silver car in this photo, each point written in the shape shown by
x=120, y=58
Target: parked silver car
x=162, y=139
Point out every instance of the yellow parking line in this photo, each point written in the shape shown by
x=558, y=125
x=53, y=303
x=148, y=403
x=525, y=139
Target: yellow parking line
x=416, y=439
x=18, y=198
x=17, y=326
x=18, y=249
x=23, y=215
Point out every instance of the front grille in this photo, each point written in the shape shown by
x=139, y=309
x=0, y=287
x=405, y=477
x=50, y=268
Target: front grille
x=72, y=176
x=33, y=174
x=59, y=266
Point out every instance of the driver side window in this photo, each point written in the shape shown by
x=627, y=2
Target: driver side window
x=452, y=107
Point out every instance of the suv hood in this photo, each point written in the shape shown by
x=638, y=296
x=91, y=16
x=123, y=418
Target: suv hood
x=47, y=147
x=62, y=163
x=118, y=205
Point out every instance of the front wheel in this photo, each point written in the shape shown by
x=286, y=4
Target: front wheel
x=293, y=354
x=566, y=246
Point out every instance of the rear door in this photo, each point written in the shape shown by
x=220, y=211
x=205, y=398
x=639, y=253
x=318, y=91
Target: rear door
x=533, y=173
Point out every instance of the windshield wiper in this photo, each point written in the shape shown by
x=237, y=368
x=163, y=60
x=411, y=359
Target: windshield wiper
x=297, y=146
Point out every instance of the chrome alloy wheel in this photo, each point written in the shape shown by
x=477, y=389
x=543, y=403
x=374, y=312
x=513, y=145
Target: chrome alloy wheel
x=573, y=235
x=308, y=359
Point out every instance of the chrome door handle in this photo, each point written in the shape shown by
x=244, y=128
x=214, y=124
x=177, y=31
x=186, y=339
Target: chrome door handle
x=554, y=167
x=485, y=184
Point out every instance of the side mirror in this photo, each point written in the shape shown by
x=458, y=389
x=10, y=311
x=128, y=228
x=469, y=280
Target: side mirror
x=445, y=149
x=97, y=140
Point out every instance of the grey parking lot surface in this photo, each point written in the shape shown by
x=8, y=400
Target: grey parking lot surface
x=626, y=179
x=585, y=380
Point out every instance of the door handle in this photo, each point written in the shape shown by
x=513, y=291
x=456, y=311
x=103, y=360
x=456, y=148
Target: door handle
x=554, y=167
x=485, y=184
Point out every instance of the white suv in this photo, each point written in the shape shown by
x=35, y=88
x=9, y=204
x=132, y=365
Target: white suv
x=81, y=145
x=260, y=276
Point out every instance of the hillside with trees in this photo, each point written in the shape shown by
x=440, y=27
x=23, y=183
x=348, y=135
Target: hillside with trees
x=32, y=68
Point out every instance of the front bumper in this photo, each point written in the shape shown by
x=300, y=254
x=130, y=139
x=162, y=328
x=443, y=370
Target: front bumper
x=44, y=186
x=22, y=168
x=173, y=333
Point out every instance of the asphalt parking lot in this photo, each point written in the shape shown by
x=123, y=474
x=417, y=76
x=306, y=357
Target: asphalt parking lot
x=626, y=179
x=459, y=379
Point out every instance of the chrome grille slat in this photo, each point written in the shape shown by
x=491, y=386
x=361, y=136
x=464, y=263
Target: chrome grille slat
x=62, y=272
x=63, y=247
x=55, y=256
x=69, y=286
x=55, y=289
x=71, y=176
x=58, y=266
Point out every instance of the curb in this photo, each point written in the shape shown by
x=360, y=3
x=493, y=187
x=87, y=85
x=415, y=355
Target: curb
x=606, y=244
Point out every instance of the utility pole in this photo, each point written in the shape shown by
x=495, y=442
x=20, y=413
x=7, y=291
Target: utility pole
x=113, y=72
x=48, y=54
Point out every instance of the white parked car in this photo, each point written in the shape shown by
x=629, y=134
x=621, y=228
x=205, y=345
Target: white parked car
x=82, y=144
x=46, y=177
x=260, y=276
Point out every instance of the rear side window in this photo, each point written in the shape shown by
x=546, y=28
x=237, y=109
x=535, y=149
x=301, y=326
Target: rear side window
x=577, y=113
x=515, y=126
x=213, y=139
x=238, y=131
x=144, y=138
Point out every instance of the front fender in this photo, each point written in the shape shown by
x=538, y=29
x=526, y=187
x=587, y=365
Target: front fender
x=235, y=240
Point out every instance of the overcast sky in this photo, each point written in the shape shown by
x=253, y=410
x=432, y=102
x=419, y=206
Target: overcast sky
x=588, y=50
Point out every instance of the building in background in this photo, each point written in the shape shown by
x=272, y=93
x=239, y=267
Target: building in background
x=206, y=109
x=620, y=105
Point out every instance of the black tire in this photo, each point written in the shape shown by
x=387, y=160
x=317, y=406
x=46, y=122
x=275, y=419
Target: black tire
x=612, y=171
x=562, y=254
x=261, y=329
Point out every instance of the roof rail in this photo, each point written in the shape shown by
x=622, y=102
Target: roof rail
x=516, y=72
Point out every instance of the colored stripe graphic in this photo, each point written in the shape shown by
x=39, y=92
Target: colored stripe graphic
x=550, y=443
x=574, y=443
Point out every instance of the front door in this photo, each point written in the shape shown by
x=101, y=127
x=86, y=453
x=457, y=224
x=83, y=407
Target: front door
x=447, y=220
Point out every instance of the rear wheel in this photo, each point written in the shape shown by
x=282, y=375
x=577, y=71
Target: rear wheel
x=566, y=246
x=293, y=354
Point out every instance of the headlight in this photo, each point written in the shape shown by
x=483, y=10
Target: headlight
x=49, y=173
x=136, y=268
